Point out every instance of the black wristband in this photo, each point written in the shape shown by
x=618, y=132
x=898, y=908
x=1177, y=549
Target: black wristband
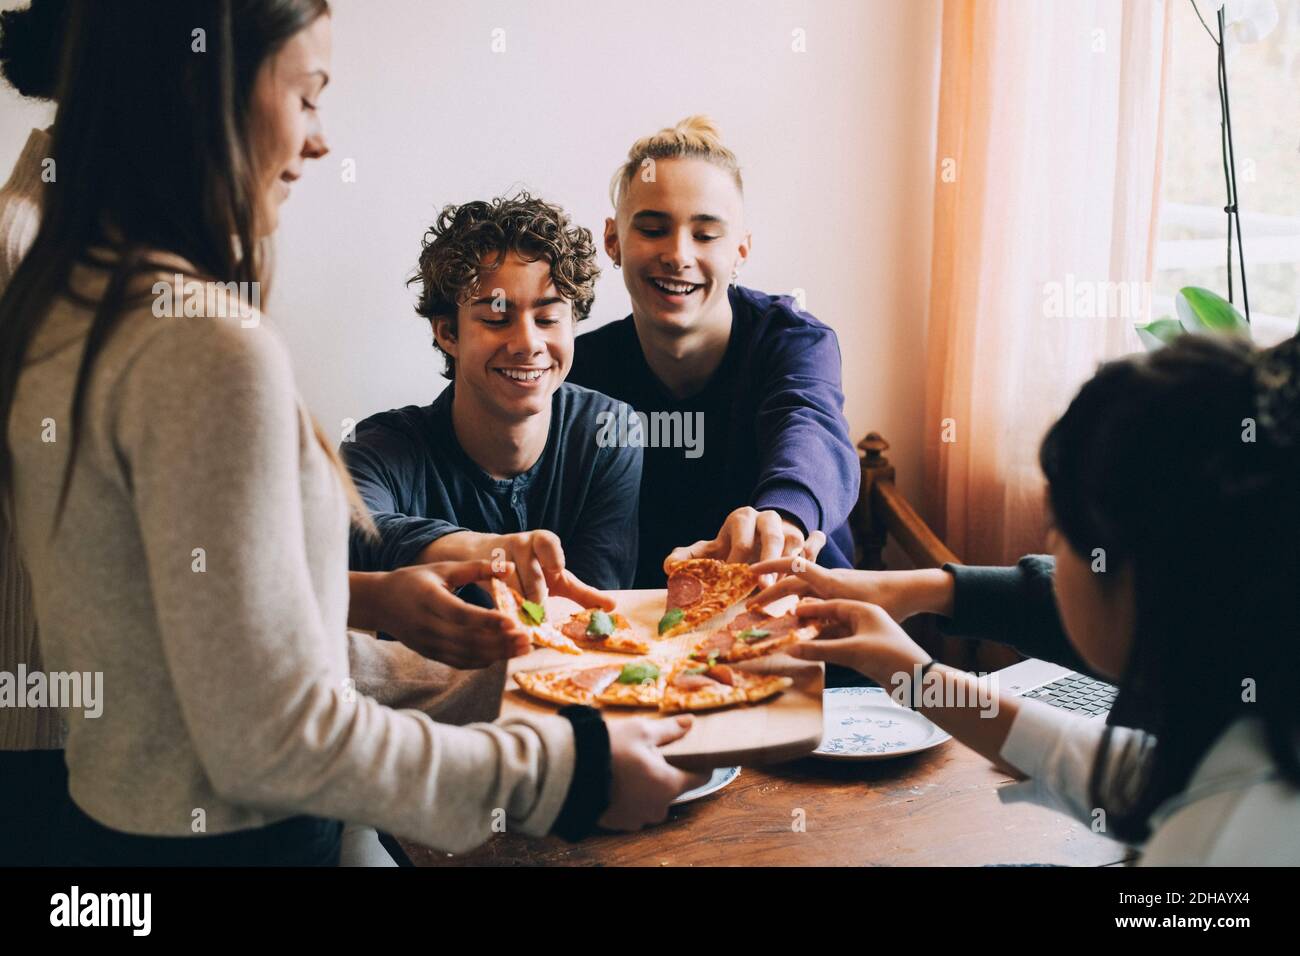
x=589, y=790
x=916, y=687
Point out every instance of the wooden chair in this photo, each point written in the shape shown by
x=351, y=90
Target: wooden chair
x=881, y=513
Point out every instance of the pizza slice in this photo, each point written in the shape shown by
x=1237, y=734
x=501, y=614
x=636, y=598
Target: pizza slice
x=700, y=589
x=597, y=630
x=754, y=633
x=694, y=685
x=634, y=684
x=639, y=683
x=533, y=616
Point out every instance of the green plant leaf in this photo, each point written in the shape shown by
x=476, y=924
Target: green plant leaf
x=600, y=624
x=1159, y=333
x=751, y=635
x=1200, y=310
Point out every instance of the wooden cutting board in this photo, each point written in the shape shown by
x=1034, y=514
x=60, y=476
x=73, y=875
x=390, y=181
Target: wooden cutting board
x=776, y=730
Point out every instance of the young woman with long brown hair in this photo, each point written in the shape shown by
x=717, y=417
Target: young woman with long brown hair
x=185, y=522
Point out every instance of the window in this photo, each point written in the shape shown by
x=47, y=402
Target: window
x=1264, y=97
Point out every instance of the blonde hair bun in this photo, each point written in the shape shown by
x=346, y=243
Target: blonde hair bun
x=696, y=137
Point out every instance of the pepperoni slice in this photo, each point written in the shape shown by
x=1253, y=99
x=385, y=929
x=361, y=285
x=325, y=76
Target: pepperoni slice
x=684, y=590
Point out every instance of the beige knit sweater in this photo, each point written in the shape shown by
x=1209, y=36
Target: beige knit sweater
x=21, y=728
x=201, y=566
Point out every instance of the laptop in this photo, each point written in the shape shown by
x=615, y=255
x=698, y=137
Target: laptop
x=1059, y=686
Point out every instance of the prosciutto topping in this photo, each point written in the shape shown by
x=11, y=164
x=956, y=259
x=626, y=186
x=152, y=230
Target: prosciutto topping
x=575, y=630
x=716, y=643
x=749, y=619
x=596, y=679
x=688, y=681
x=722, y=674
x=775, y=626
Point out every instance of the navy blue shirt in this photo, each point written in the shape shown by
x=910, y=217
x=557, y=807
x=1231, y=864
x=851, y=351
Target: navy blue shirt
x=771, y=420
x=420, y=485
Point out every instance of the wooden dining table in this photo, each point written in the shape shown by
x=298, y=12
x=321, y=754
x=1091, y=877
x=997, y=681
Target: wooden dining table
x=939, y=807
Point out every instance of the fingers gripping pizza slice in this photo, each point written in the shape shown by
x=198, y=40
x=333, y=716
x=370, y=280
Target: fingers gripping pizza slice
x=700, y=589
x=754, y=633
x=637, y=683
x=533, y=616
x=693, y=685
x=597, y=630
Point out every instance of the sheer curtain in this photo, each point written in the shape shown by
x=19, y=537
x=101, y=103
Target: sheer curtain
x=1047, y=184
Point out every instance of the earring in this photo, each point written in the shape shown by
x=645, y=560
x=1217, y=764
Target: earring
x=618, y=265
x=735, y=274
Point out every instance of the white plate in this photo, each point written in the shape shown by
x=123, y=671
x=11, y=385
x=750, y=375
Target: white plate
x=862, y=723
x=721, y=777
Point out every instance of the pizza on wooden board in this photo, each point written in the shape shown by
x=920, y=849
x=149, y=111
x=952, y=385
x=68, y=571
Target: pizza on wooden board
x=693, y=685
x=533, y=616
x=597, y=630
x=700, y=589
x=638, y=683
x=754, y=633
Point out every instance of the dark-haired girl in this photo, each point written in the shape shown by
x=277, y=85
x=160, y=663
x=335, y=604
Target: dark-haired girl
x=183, y=519
x=1182, y=471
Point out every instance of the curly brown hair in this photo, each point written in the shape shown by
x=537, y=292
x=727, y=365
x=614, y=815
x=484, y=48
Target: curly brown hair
x=469, y=241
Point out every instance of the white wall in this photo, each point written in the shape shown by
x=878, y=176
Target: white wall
x=836, y=145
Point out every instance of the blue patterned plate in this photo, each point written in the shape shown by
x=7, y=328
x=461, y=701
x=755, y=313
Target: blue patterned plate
x=721, y=777
x=862, y=723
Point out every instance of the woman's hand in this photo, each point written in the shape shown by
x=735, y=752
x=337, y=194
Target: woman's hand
x=900, y=593
x=418, y=606
x=644, y=783
x=750, y=535
x=966, y=706
x=861, y=636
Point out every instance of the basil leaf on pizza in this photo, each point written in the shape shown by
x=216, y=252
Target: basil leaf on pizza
x=751, y=635
x=671, y=620
x=532, y=612
x=600, y=624
x=638, y=672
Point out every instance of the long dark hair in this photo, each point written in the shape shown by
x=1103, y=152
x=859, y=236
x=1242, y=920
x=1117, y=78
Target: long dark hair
x=1162, y=462
x=151, y=153
x=31, y=44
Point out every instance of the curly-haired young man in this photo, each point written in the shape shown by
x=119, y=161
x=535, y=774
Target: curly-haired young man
x=506, y=463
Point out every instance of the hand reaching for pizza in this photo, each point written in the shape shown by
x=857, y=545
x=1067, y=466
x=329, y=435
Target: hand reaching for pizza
x=539, y=562
x=900, y=593
x=644, y=783
x=861, y=636
x=749, y=535
x=418, y=606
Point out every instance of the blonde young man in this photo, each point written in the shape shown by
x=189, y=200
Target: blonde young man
x=748, y=453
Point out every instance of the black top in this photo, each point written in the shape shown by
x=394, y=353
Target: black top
x=419, y=485
x=1014, y=606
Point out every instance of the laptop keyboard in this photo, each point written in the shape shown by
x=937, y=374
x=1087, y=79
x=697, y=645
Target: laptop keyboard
x=1076, y=692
